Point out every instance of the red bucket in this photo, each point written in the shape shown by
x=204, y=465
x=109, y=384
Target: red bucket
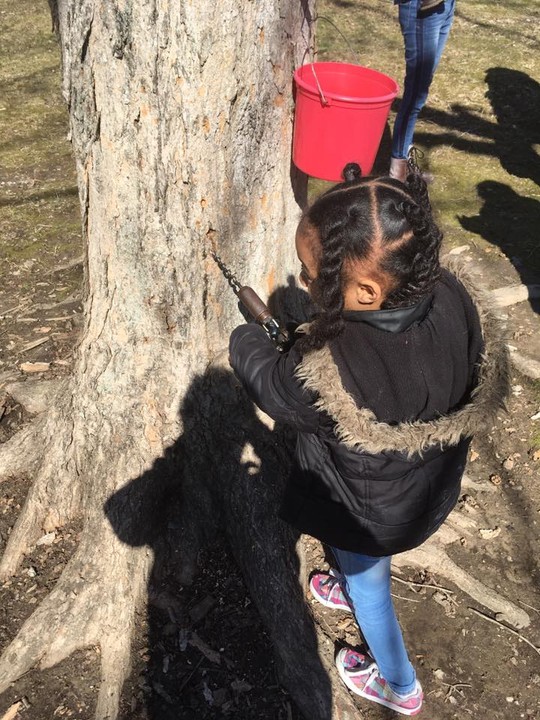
x=341, y=111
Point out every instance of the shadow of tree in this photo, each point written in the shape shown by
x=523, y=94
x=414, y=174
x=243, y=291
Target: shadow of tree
x=36, y=197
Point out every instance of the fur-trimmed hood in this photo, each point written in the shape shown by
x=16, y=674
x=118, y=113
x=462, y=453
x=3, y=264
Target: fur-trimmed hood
x=359, y=429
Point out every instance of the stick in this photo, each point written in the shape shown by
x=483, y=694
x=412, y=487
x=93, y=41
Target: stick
x=529, y=606
x=500, y=624
x=183, y=685
x=422, y=585
x=34, y=344
x=400, y=597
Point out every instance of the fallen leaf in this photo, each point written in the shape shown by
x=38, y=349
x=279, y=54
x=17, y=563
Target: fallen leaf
x=508, y=464
x=474, y=456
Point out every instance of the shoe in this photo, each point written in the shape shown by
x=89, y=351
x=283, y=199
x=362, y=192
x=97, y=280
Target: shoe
x=326, y=588
x=361, y=675
x=399, y=169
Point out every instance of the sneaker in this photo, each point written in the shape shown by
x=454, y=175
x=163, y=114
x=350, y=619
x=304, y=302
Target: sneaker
x=361, y=675
x=326, y=588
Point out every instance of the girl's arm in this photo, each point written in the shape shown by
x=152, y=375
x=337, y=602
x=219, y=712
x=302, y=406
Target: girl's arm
x=269, y=378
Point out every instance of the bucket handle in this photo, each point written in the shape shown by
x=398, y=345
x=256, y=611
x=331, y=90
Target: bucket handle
x=324, y=99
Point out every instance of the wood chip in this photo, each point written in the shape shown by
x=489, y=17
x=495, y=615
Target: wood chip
x=205, y=649
x=489, y=533
x=12, y=711
x=36, y=367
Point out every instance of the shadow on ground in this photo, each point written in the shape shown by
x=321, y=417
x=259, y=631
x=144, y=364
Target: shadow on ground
x=219, y=487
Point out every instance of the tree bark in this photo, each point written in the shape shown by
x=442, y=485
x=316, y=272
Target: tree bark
x=181, y=128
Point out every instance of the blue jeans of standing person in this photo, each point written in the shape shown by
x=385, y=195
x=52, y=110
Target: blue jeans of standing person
x=367, y=582
x=425, y=34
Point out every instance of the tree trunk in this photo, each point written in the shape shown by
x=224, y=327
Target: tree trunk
x=181, y=127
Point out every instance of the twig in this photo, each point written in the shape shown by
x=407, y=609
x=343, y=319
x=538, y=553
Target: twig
x=185, y=682
x=529, y=606
x=34, y=344
x=455, y=686
x=422, y=585
x=25, y=303
x=500, y=624
x=400, y=597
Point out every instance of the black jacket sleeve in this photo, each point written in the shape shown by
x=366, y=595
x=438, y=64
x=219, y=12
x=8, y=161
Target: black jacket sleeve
x=269, y=379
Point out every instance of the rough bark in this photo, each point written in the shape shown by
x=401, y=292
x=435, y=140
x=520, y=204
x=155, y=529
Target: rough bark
x=181, y=127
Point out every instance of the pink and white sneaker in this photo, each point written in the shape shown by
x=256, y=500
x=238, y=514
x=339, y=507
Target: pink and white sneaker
x=361, y=675
x=326, y=588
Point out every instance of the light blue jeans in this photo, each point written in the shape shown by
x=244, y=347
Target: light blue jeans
x=367, y=582
x=425, y=35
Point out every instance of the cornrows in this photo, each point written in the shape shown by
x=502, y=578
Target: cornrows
x=385, y=224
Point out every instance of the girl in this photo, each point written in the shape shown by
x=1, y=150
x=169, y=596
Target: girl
x=397, y=372
x=425, y=26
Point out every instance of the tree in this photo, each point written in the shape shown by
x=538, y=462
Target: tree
x=181, y=128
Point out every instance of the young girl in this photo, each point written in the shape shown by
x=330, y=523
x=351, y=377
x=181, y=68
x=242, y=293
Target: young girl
x=397, y=372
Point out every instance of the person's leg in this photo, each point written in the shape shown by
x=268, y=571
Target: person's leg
x=367, y=581
x=425, y=36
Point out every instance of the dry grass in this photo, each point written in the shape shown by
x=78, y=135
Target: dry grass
x=39, y=207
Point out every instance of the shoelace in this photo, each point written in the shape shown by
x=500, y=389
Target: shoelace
x=415, y=154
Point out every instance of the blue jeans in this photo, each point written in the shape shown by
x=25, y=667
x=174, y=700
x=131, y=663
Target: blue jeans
x=425, y=35
x=367, y=582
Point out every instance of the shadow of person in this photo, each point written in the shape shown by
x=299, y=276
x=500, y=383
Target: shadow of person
x=220, y=484
x=515, y=99
x=509, y=221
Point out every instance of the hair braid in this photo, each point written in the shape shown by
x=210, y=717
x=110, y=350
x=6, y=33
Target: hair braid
x=422, y=250
x=328, y=293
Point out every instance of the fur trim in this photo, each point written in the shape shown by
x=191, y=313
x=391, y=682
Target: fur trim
x=359, y=429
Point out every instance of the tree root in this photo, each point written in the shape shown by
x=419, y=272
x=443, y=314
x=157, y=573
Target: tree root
x=92, y=604
x=55, y=496
x=20, y=454
x=432, y=557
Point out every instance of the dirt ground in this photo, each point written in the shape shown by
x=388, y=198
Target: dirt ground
x=201, y=651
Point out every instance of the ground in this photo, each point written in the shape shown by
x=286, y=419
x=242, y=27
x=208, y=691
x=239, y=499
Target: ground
x=480, y=139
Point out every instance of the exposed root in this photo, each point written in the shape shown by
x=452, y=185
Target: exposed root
x=92, y=604
x=55, y=496
x=115, y=663
x=20, y=454
x=435, y=559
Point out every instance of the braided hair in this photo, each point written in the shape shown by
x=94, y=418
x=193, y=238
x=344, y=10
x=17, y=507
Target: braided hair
x=383, y=222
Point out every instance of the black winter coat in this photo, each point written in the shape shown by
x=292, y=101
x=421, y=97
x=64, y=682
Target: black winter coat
x=384, y=419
